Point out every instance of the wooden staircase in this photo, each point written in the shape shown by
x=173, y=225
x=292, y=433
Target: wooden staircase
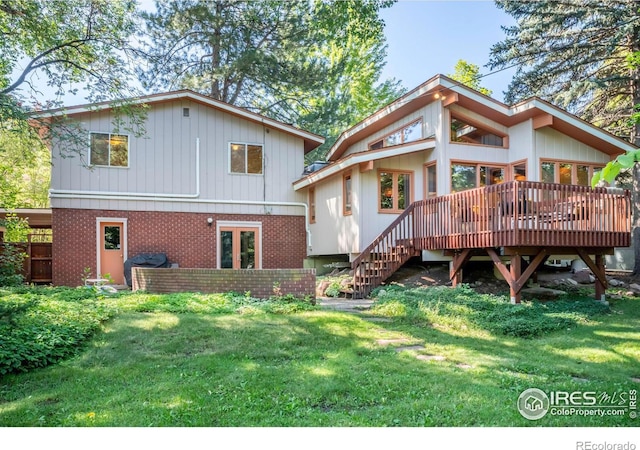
x=386, y=254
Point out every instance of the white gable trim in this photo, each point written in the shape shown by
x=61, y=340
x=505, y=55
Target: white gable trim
x=357, y=158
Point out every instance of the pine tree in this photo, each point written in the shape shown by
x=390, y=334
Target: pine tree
x=579, y=55
x=312, y=63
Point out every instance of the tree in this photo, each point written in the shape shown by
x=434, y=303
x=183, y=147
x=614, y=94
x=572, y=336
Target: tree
x=579, y=54
x=67, y=42
x=469, y=75
x=315, y=64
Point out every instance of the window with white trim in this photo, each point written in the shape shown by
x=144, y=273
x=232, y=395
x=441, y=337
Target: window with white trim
x=245, y=158
x=109, y=150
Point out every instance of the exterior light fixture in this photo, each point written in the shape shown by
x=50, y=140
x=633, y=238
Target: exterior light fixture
x=209, y=221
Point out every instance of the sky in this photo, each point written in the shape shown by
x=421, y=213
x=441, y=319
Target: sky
x=425, y=38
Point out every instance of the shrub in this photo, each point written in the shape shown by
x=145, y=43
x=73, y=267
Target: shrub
x=11, y=260
x=41, y=326
x=462, y=307
x=333, y=290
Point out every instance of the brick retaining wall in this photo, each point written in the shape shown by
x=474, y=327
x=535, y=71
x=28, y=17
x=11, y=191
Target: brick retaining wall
x=298, y=282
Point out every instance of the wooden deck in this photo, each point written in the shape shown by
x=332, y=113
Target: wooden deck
x=514, y=220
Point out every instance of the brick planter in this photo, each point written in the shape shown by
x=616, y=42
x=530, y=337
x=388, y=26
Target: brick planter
x=261, y=283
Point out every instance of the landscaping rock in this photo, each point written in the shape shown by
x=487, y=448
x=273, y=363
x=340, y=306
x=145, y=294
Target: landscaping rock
x=635, y=288
x=615, y=283
x=583, y=277
x=321, y=287
x=571, y=282
x=542, y=293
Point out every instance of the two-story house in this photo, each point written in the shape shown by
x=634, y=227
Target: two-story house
x=443, y=138
x=208, y=184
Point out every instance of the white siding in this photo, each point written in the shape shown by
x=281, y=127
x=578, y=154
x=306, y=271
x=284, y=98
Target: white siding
x=334, y=233
x=551, y=144
x=430, y=115
x=164, y=162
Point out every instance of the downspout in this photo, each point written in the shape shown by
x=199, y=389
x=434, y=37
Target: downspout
x=179, y=198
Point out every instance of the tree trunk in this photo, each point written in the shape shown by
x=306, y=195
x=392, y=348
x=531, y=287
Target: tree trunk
x=635, y=138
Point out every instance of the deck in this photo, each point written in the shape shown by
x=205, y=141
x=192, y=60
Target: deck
x=519, y=221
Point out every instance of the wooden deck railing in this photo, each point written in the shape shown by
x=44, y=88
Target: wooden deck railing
x=525, y=213
x=513, y=214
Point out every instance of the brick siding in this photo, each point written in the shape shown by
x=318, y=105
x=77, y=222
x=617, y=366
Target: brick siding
x=261, y=283
x=185, y=238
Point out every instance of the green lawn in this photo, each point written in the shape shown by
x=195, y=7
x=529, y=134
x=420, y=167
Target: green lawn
x=195, y=360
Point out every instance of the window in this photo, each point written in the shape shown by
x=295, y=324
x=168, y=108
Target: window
x=245, y=158
x=469, y=176
x=312, y=205
x=346, y=194
x=566, y=172
x=110, y=150
x=431, y=181
x=464, y=131
x=407, y=133
x=394, y=190
x=519, y=171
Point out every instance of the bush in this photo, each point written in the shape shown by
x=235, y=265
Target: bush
x=462, y=307
x=11, y=259
x=41, y=326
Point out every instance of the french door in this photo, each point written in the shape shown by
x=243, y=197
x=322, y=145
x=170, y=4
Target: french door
x=239, y=247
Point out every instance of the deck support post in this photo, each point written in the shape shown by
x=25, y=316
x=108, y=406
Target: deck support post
x=598, y=270
x=516, y=278
x=456, y=265
x=514, y=288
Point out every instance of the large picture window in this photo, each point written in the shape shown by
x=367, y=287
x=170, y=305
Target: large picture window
x=110, y=150
x=469, y=176
x=245, y=158
x=394, y=190
x=568, y=172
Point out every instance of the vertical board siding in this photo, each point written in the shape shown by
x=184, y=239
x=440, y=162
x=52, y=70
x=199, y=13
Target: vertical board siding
x=163, y=161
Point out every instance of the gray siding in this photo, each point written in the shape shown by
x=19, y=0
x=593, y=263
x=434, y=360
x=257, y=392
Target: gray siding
x=164, y=162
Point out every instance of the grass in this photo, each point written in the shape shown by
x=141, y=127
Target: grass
x=223, y=361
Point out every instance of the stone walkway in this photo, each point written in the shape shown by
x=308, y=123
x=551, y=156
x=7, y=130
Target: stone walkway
x=345, y=304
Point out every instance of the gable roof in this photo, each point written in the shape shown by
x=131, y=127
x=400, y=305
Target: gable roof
x=450, y=92
x=311, y=140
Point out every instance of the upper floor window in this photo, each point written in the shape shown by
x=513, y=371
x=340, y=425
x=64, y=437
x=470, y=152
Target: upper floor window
x=245, y=158
x=394, y=190
x=407, y=133
x=565, y=172
x=464, y=131
x=111, y=150
x=469, y=176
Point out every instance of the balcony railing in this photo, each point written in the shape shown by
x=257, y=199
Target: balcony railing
x=524, y=213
